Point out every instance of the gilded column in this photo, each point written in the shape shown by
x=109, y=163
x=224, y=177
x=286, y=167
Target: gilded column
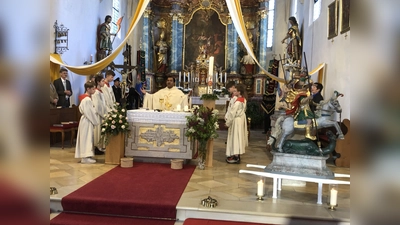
x=147, y=41
x=233, y=49
x=177, y=38
x=262, y=57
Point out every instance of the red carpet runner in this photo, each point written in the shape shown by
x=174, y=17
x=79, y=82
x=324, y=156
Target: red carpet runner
x=145, y=190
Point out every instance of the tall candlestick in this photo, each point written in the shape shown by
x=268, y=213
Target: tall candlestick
x=211, y=66
x=333, y=200
x=179, y=78
x=260, y=188
x=225, y=77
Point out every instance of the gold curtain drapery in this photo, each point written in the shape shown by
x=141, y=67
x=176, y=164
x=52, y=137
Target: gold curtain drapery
x=235, y=11
x=56, y=61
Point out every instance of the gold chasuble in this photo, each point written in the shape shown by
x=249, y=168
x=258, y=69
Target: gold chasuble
x=165, y=99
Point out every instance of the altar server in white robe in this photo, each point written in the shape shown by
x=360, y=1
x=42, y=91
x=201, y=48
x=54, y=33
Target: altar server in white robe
x=101, y=109
x=89, y=119
x=235, y=120
x=108, y=93
x=169, y=94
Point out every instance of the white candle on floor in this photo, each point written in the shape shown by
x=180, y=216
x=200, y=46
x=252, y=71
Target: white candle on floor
x=260, y=188
x=333, y=197
x=178, y=108
x=185, y=108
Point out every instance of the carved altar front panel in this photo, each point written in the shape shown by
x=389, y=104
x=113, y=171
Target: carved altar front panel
x=158, y=135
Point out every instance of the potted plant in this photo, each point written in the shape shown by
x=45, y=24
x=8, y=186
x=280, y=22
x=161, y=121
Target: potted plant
x=202, y=126
x=209, y=100
x=113, y=130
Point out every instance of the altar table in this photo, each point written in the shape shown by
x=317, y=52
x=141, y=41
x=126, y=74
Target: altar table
x=158, y=135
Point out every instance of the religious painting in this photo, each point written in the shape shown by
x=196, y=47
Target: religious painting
x=332, y=20
x=345, y=16
x=205, y=37
x=258, y=86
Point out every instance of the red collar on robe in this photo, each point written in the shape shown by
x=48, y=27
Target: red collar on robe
x=99, y=90
x=82, y=96
x=240, y=99
x=108, y=85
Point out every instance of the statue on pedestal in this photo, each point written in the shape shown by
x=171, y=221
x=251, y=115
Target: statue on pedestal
x=294, y=46
x=104, y=38
x=162, y=53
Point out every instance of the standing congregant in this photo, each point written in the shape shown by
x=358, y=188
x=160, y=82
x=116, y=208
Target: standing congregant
x=63, y=87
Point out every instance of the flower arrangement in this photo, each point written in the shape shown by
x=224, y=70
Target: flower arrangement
x=114, y=123
x=202, y=125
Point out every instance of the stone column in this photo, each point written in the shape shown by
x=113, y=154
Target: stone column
x=262, y=57
x=177, y=38
x=233, y=49
x=147, y=41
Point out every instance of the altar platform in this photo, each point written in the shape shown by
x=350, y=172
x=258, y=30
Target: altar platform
x=158, y=135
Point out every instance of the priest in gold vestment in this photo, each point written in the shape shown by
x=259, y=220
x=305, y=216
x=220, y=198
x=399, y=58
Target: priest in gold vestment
x=167, y=98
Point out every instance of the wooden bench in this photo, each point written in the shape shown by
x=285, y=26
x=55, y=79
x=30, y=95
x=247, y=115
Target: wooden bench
x=64, y=115
x=277, y=180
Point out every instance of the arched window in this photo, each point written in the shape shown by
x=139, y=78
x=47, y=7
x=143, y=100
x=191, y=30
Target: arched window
x=317, y=9
x=115, y=15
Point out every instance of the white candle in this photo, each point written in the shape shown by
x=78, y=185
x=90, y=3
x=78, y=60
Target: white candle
x=178, y=108
x=260, y=188
x=91, y=58
x=179, y=77
x=211, y=66
x=188, y=76
x=185, y=108
x=221, y=78
x=184, y=77
x=225, y=77
x=333, y=197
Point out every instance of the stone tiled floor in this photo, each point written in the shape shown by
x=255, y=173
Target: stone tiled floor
x=235, y=192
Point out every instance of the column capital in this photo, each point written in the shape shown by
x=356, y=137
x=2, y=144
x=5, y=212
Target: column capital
x=147, y=13
x=263, y=13
x=229, y=19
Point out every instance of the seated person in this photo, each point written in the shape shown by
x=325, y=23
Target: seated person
x=169, y=96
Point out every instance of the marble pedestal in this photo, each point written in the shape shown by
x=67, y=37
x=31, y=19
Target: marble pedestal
x=301, y=165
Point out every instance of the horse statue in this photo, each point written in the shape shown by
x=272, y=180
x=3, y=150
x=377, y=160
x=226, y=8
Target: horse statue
x=284, y=125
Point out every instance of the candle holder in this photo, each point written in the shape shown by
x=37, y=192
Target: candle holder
x=332, y=207
x=260, y=197
x=333, y=195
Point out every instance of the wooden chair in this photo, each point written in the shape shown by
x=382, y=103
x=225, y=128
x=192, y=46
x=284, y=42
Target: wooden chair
x=65, y=128
x=60, y=115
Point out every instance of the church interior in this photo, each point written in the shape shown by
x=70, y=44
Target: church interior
x=203, y=45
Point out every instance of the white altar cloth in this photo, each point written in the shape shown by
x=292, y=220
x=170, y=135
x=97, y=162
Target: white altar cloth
x=151, y=116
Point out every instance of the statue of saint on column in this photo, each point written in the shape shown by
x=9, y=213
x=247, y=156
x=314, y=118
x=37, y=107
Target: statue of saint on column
x=162, y=53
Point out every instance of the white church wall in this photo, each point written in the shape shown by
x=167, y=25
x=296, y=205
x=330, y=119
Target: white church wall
x=334, y=52
x=82, y=19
